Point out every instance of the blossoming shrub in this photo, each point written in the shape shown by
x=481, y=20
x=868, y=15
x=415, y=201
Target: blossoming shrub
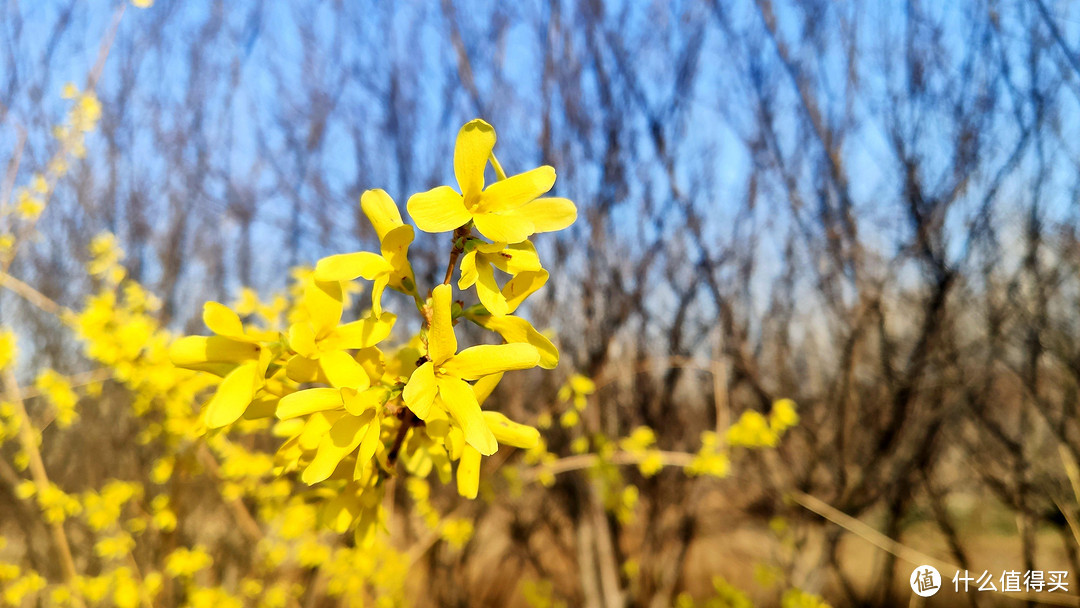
x=292, y=419
x=348, y=402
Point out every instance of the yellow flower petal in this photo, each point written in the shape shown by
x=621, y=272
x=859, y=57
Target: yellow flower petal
x=194, y=350
x=486, y=359
x=364, y=333
x=377, y=289
x=489, y=292
x=222, y=320
x=233, y=396
x=468, y=472
x=302, y=339
x=484, y=386
x=323, y=302
x=516, y=190
x=522, y=286
x=317, y=425
x=395, y=248
x=357, y=403
x=438, y=210
x=442, y=343
x=507, y=227
x=301, y=369
x=520, y=257
x=549, y=214
x=458, y=399
x=369, y=443
x=420, y=391
x=371, y=359
x=343, y=371
x=511, y=433
x=343, y=438
x=348, y=266
x=302, y=403
x=381, y=211
x=475, y=141
x=468, y=271
x=518, y=330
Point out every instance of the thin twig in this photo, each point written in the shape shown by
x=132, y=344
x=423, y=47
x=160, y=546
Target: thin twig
x=36, y=298
x=585, y=461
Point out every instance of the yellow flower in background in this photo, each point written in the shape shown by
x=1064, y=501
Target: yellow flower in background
x=28, y=205
x=783, y=416
x=507, y=211
x=578, y=388
x=752, y=431
x=58, y=391
x=518, y=260
x=391, y=269
x=185, y=562
x=105, y=258
x=442, y=379
x=8, y=348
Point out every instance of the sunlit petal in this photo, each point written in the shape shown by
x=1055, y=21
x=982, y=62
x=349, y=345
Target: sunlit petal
x=459, y=400
x=381, y=211
x=420, y=391
x=343, y=438
x=342, y=370
x=221, y=320
x=323, y=302
x=516, y=190
x=468, y=270
x=468, y=472
x=233, y=396
x=442, y=343
x=517, y=330
x=483, y=387
x=302, y=403
x=488, y=291
x=348, y=266
x=438, y=210
x=475, y=142
x=522, y=286
x=511, y=433
x=364, y=333
x=507, y=227
x=486, y=359
x=549, y=214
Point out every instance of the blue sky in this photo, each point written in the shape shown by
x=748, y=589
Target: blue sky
x=261, y=71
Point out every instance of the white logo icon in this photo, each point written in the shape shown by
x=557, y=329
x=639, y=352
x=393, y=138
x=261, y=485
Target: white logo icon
x=925, y=581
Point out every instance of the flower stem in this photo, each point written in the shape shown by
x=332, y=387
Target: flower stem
x=460, y=235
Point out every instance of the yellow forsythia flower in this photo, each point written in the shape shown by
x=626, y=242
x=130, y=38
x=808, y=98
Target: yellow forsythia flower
x=507, y=211
x=783, y=415
x=442, y=380
x=752, y=431
x=8, y=348
x=60, y=395
x=185, y=562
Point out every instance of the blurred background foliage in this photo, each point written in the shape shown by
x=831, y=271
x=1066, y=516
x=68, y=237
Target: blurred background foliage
x=868, y=208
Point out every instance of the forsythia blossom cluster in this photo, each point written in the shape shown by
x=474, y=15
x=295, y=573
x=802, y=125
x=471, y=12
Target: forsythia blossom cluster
x=350, y=401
